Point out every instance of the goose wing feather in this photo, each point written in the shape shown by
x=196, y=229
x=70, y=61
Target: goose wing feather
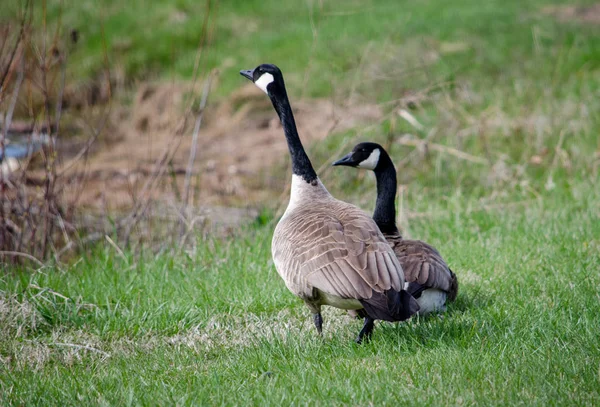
x=424, y=265
x=338, y=250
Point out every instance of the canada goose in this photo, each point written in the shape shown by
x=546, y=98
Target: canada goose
x=329, y=252
x=428, y=277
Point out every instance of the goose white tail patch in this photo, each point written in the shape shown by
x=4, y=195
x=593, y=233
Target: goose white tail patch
x=432, y=300
x=371, y=162
x=263, y=81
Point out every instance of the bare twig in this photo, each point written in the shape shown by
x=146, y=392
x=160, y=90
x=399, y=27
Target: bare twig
x=160, y=166
x=61, y=89
x=189, y=229
x=84, y=150
x=21, y=254
x=13, y=101
x=202, y=41
x=193, y=150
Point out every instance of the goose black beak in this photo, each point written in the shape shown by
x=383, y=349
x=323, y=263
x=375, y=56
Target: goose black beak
x=346, y=160
x=248, y=73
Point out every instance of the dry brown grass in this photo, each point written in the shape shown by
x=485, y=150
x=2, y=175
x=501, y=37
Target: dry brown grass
x=223, y=332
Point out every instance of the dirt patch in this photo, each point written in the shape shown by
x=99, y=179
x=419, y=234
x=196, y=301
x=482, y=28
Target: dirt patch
x=238, y=142
x=585, y=14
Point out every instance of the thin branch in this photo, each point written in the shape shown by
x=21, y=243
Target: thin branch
x=61, y=89
x=84, y=150
x=192, y=158
x=160, y=166
x=201, y=42
x=21, y=254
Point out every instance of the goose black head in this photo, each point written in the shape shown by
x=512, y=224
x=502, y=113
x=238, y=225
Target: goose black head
x=364, y=155
x=267, y=77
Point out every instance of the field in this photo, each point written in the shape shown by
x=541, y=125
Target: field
x=498, y=155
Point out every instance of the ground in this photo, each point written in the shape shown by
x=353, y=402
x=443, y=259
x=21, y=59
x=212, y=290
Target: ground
x=228, y=171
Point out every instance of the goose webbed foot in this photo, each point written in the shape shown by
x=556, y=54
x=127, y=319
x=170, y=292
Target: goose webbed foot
x=366, y=331
x=318, y=320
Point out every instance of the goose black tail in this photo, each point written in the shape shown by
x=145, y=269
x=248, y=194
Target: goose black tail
x=415, y=289
x=453, y=287
x=391, y=305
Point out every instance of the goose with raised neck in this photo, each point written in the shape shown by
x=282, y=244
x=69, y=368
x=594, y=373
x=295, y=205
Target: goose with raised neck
x=329, y=252
x=428, y=277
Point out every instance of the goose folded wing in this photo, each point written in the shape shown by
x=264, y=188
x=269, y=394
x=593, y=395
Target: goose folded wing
x=350, y=260
x=422, y=264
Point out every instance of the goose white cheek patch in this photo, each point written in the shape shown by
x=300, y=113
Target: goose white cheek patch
x=263, y=81
x=371, y=162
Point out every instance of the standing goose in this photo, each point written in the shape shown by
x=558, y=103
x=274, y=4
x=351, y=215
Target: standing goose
x=327, y=251
x=428, y=277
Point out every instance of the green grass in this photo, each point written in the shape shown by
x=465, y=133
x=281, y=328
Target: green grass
x=216, y=325
x=486, y=43
x=219, y=327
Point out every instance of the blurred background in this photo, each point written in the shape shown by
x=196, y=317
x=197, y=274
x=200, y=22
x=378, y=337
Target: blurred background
x=130, y=119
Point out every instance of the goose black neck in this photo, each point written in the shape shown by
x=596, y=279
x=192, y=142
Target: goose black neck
x=301, y=164
x=385, y=209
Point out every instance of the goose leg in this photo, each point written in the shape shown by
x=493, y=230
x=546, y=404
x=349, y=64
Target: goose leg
x=318, y=319
x=365, y=332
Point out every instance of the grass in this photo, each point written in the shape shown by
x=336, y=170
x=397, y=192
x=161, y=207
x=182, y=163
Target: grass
x=487, y=43
x=216, y=325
